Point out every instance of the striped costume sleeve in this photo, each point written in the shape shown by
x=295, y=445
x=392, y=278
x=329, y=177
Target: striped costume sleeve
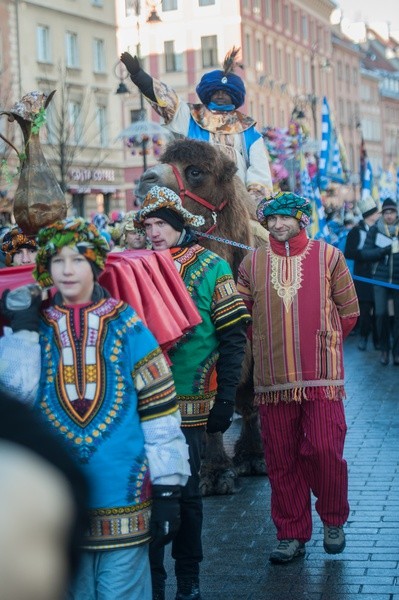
x=228, y=308
x=342, y=286
x=155, y=386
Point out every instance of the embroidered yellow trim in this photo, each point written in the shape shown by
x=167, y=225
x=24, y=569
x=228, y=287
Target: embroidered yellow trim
x=286, y=276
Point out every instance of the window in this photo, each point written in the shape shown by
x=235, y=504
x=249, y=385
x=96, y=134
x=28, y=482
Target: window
x=305, y=28
x=279, y=64
x=339, y=70
x=72, y=54
x=209, y=51
x=248, y=53
x=269, y=59
x=97, y=2
x=256, y=7
x=268, y=9
x=99, y=56
x=173, y=61
x=135, y=115
x=289, y=67
x=169, y=5
x=277, y=7
x=43, y=44
x=286, y=16
x=205, y=2
x=102, y=125
x=298, y=69
x=130, y=8
x=259, y=58
x=295, y=22
x=75, y=122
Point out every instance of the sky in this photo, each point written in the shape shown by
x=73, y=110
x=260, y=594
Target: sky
x=377, y=13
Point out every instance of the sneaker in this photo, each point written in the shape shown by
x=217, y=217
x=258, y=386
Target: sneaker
x=334, y=539
x=286, y=551
x=188, y=590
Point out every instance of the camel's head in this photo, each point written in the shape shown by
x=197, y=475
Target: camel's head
x=204, y=170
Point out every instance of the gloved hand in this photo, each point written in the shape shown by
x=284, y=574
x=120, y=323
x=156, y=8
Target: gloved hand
x=25, y=314
x=131, y=63
x=165, y=513
x=220, y=417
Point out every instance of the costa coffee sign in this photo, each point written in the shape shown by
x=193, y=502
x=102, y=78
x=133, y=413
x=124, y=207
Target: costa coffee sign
x=91, y=175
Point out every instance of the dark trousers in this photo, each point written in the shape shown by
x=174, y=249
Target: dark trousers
x=187, y=545
x=381, y=297
x=366, y=322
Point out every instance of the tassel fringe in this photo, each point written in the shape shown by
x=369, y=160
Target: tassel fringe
x=331, y=392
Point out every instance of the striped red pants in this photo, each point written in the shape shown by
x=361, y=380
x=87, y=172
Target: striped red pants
x=304, y=453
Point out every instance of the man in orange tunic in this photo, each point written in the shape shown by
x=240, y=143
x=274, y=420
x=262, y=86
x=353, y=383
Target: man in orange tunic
x=303, y=303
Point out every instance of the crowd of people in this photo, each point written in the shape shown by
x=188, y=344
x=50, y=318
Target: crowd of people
x=130, y=422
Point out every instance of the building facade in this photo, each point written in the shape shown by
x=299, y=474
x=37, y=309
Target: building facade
x=70, y=46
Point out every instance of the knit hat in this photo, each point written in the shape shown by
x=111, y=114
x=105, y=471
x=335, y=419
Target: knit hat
x=13, y=241
x=69, y=232
x=285, y=203
x=368, y=206
x=389, y=204
x=223, y=80
x=162, y=197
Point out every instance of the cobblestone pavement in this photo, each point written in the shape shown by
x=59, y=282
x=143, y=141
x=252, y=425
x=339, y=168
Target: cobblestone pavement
x=238, y=533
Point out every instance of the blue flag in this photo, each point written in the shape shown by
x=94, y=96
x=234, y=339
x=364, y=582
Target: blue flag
x=330, y=164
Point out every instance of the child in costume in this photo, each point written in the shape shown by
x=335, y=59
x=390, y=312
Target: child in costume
x=98, y=377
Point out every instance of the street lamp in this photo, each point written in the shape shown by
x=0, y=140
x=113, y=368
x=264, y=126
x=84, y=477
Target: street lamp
x=122, y=88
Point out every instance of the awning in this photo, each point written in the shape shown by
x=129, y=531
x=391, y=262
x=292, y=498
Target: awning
x=87, y=189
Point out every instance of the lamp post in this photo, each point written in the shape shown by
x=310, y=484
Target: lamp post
x=122, y=88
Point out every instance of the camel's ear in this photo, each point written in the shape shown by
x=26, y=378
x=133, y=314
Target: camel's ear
x=228, y=171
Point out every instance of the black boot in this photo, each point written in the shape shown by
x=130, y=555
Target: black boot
x=188, y=589
x=158, y=594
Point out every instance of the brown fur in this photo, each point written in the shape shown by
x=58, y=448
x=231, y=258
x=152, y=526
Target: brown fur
x=218, y=182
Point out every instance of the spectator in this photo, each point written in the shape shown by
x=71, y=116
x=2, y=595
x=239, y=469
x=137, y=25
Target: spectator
x=382, y=247
x=19, y=249
x=353, y=251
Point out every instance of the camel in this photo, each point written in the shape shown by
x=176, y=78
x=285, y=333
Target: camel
x=206, y=180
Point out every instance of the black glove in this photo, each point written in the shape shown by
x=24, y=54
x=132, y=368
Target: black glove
x=131, y=63
x=26, y=313
x=220, y=417
x=165, y=513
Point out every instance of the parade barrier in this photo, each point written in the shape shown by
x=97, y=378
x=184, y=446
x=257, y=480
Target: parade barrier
x=147, y=280
x=392, y=286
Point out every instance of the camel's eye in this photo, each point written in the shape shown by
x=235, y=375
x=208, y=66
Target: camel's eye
x=194, y=175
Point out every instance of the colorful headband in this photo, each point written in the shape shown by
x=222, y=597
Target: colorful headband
x=285, y=203
x=68, y=232
x=13, y=241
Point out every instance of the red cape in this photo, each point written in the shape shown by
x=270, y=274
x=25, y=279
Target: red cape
x=146, y=280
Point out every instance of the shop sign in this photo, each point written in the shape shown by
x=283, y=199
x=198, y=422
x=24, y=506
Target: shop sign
x=77, y=174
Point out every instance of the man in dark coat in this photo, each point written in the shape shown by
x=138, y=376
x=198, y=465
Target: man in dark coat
x=362, y=267
x=382, y=247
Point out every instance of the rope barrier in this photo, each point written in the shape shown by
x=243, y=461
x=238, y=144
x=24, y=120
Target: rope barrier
x=391, y=286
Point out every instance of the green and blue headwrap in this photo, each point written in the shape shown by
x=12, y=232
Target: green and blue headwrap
x=285, y=203
x=69, y=232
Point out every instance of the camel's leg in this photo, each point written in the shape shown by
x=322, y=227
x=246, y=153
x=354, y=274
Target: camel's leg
x=248, y=450
x=218, y=475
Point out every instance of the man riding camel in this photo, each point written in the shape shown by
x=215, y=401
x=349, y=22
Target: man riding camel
x=215, y=120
